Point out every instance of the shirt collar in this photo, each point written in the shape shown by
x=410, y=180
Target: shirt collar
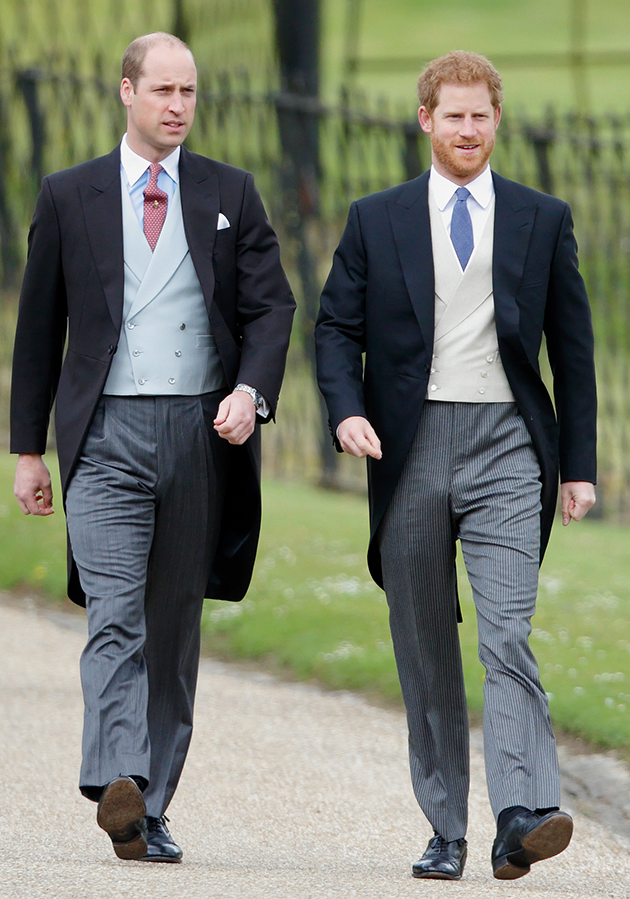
x=135, y=166
x=481, y=189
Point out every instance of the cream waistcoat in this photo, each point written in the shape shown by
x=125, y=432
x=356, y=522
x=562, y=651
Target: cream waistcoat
x=466, y=366
x=165, y=345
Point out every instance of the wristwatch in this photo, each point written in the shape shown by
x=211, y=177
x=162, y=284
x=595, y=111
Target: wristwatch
x=257, y=398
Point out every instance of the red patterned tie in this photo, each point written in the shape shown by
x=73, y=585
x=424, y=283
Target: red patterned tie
x=155, y=203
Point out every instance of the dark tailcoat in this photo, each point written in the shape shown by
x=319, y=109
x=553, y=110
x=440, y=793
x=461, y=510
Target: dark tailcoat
x=73, y=286
x=379, y=301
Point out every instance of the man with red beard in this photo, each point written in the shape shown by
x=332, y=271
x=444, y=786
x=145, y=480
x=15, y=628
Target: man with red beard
x=447, y=284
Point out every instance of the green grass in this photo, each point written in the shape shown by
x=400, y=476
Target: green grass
x=314, y=610
x=32, y=549
x=423, y=29
x=314, y=613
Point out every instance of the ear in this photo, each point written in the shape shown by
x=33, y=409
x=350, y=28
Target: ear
x=426, y=122
x=497, y=116
x=126, y=91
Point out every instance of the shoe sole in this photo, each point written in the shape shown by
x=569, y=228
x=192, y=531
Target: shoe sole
x=121, y=814
x=550, y=838
x=436, y=875
x=161, y=859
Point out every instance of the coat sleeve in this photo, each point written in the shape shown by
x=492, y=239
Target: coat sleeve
x=41, y=331
x=265, y=304
x=569, y=334
x=340, y=329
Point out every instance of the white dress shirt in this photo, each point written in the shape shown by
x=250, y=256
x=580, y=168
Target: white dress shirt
x=479, y=202
x=136, y=171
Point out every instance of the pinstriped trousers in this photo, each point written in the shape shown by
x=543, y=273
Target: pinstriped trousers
x=471, y=474
x=143, y=510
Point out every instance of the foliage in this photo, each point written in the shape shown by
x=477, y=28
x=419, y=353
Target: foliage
x=419, y=30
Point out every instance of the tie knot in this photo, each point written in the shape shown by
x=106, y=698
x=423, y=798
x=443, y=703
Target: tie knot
x=462, y=194
x=152, y=192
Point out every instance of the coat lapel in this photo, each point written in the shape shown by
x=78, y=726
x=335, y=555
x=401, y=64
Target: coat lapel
x=200, y=209
x=102, y=205
x=514, y=220
x=409, y=216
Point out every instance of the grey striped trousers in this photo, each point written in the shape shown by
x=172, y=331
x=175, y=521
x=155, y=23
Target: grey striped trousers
x=143, y=509
x=471, y=474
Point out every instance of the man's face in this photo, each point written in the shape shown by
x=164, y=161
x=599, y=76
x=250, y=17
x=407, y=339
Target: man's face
x=462, y=128
x=160, y=111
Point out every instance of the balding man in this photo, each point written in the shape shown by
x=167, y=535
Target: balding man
x=162, y=268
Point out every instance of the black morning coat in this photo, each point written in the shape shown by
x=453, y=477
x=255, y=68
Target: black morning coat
x=379, y=300
x=74, y=283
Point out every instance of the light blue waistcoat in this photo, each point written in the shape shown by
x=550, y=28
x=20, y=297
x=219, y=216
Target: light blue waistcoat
x=165, y=344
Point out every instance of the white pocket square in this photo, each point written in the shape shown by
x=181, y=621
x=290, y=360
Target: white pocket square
x=222, y=223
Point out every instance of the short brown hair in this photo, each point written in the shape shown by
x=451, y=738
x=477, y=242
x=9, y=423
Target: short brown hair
x=458, y=67
x=134, y=55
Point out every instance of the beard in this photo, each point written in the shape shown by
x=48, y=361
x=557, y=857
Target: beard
x=462, y=166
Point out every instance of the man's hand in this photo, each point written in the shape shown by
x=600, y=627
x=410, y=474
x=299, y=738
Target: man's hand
x=357, y=437
x=32, y=485
x=577, y=499
x=236, y=417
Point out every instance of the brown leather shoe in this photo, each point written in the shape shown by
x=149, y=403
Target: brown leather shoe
x=529, y=838
x=120, y=814
x=442, y=860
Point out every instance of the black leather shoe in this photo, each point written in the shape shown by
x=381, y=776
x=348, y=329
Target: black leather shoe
x=120, y=813
x=442, y=860
x=161, y=845
x=529, y=838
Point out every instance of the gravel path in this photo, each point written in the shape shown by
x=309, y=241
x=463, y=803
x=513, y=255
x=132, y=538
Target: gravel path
x=289, y=793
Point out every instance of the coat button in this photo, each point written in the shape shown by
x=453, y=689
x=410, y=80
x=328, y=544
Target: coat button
x=171, y=380
x=489, y=358
x=111, y=349
x=433, y=386
x=142, y=382
x=136, y=353
x=482, y=390
x=131, y=326
x=182, y=326
x=178, y=353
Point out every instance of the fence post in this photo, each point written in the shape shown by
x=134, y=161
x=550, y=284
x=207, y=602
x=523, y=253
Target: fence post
x=180, y=21
x=8, y=237
x=297, y=106
x=412, y=156
x=28, y=84
x=541, y=140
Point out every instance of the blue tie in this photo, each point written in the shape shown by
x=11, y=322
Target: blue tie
x=461, y=227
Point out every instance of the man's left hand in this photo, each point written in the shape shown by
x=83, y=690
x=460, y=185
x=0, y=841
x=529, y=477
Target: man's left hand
x=236, y=417
x=577, y=499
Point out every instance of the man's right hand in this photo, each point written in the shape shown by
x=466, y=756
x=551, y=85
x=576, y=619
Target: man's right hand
x=32, y=485
x=357, y=437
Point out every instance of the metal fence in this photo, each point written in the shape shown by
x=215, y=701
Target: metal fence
x=310, y=161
